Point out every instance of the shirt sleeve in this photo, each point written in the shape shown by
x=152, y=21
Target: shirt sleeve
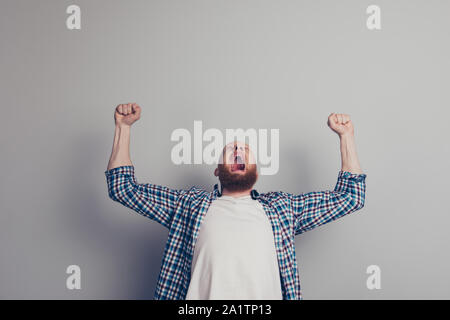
x=317, y=208
x=152, y=201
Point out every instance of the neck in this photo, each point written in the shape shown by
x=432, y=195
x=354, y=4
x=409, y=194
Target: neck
x=236, y=194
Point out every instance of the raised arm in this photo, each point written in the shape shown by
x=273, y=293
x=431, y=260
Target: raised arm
x=152, y=201
x=343, y=126
x=317, y=208
x=124, y=115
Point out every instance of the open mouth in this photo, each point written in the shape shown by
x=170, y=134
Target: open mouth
x=238, y=165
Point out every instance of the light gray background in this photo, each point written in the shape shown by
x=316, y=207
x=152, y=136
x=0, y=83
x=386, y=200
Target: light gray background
x=234, y=63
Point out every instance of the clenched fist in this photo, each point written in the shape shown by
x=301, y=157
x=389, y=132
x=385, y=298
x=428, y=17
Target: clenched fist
x=127, y=114
x=340, y=123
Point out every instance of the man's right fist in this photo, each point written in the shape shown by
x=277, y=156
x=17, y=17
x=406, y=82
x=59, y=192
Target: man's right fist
x=127, y=114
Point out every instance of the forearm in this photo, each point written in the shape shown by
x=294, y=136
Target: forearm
x=349, y=157
x=120, y=155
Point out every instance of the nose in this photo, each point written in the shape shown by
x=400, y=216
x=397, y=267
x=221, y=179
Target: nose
x=236, y=149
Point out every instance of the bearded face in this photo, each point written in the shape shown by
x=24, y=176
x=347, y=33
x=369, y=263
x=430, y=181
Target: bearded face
x=237, y=171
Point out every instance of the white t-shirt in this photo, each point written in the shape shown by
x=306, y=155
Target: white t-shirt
x=235, y=256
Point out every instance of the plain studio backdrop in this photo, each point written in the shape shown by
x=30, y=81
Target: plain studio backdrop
x=231, y=64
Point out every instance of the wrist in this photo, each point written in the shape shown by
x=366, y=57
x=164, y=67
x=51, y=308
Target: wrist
x=349, y=135
x=122, y=126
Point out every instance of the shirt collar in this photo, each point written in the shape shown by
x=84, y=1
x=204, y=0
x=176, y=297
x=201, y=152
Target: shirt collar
x=216, y=193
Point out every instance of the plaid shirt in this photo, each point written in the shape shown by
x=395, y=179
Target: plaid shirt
x=182, y=211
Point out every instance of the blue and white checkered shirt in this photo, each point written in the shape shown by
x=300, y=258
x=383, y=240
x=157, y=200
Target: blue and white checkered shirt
x=182, y=211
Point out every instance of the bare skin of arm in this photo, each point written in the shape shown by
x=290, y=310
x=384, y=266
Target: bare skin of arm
x=125, y=115
x=343, y=126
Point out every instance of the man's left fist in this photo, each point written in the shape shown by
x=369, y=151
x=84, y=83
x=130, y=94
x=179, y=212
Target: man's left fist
x=340, y=123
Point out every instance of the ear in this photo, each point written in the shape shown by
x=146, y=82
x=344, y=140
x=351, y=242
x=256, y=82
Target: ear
x=216, y=172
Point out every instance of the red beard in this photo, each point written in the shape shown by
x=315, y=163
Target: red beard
x=237, y=182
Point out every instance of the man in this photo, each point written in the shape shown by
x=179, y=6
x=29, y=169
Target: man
x=232, y=243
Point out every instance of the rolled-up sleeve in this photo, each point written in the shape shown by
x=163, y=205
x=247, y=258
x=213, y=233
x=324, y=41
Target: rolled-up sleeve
x=152, y=201
x=313, y=209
